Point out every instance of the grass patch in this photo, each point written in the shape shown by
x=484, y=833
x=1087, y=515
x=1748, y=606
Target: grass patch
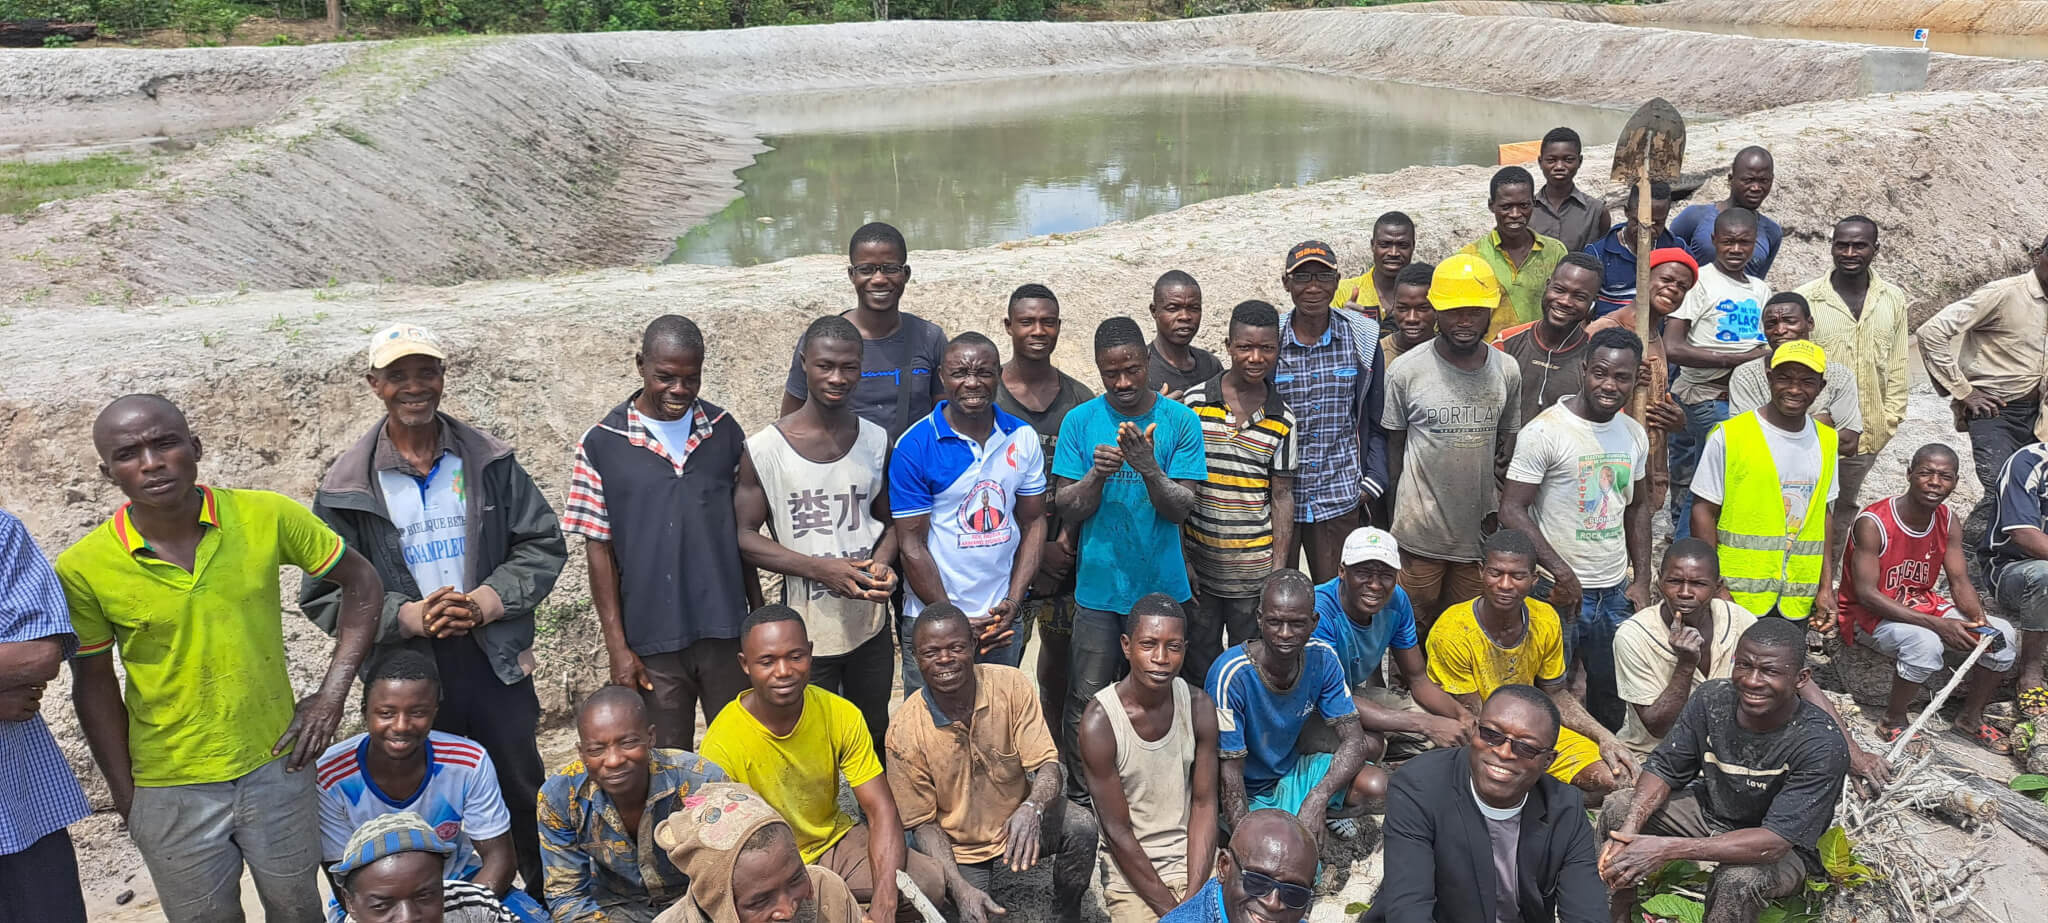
x=23, y=186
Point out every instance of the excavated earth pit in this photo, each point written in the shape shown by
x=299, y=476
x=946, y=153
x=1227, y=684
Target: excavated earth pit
x=480, y=186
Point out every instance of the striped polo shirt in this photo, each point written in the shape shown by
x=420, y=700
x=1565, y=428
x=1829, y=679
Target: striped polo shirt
x=1230, y=533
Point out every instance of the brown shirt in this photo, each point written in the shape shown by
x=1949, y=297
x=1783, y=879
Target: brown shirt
x=970, y=778
x=1581, y=221
x=1992, y=340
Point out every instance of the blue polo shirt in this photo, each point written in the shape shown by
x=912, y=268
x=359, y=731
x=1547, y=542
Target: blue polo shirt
x=1127, y=548
x=1260, y=725
x=1618, y=268
x=969, y=491
x=1360, y=650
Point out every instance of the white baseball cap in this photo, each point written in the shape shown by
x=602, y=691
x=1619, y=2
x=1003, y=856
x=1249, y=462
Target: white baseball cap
x=399, y=341
x=1370, y=544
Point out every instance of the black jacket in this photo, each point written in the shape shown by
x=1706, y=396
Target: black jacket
x=1439, y=858
x=514, y=545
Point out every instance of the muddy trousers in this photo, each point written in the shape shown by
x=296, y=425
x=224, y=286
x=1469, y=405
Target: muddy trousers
x=1736, y=893
x=40, y=884
x=1068, y=837
x=1992, y=442
x=504, y=720
x=706, y=673
x=195, y=840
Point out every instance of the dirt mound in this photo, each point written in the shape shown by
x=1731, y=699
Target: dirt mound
x=2004, y=17
x=442, y=161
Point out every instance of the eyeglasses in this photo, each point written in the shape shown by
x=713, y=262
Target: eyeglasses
x=887, y=269
x=1327, y=275
x=1257, y=886
x=1492, y=739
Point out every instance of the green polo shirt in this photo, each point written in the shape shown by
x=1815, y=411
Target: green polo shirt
x=207, y=691
x=1521, y=286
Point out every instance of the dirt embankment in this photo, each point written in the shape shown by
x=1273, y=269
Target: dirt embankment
x=2003, y=17
x=442, y=161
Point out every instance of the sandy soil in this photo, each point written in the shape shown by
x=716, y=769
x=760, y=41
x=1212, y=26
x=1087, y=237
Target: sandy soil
x=550, y=153
x=381, y=167
x=2005, y=17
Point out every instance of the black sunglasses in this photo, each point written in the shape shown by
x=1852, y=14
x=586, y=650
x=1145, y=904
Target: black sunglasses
x=1492, y=739
x=1257, y=886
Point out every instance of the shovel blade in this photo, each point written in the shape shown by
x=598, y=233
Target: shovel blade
x=1652, y=141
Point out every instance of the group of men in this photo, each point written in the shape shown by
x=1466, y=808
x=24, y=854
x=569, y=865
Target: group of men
x=1479, y=644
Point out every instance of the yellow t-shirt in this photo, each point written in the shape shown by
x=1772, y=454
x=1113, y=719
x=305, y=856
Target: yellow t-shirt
x=207, y=691
x=798, y=774
x=1357, y=290
x=1463, y=660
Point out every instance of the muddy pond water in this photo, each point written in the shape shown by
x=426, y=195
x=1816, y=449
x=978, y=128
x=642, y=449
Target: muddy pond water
x=971, y=165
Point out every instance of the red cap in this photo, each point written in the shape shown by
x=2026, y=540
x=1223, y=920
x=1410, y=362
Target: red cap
x=1663, y=255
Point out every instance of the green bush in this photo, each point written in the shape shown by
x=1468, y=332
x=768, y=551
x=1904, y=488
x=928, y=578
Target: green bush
x=207, y=17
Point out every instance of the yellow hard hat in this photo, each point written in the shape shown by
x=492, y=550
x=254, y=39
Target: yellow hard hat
x=1463, y=281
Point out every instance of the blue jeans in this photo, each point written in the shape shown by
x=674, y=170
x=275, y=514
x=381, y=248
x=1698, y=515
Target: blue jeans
x=1600, y=613
x=1685, y=448
x=1589, y=635
x=1011, y=654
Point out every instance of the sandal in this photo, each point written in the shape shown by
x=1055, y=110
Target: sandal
x=1986, y=736
x=2033, y=702
x=1890, y=733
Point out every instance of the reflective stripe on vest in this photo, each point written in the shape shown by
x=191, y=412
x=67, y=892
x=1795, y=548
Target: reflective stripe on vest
x=1764, y=567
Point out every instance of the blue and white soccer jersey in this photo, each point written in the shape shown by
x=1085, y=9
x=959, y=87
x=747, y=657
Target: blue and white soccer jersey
x=459, y=798
x=969, y=490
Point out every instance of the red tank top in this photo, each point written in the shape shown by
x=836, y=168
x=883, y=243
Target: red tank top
x=1908, y=562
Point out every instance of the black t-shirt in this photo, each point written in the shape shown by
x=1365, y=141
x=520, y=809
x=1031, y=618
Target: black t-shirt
x=1546, y=375
x=1046, y=423
x=912, y=352
x=1786, y=781
x=1162, y=372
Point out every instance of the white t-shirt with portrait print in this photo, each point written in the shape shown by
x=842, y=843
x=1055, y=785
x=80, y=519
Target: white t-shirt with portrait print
x=1585, y=475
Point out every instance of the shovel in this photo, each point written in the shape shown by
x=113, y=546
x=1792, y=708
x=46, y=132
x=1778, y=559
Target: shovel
x=1652, y=147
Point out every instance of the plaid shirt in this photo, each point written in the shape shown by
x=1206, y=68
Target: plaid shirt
x=586, y=513
x=38, y=793
x=593, y=864
x=1321, y=382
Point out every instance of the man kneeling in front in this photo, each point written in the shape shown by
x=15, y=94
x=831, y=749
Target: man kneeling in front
x=1747, y=778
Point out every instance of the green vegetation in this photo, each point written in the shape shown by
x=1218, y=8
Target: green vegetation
x=1673, y=892
x=214, y=21
x=2031, y=785
x=23, y=186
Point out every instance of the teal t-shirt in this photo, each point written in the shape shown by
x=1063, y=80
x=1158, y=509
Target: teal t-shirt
x=1127, y=549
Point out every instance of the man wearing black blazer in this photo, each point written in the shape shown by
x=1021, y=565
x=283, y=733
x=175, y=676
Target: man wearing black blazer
x=1483, y=834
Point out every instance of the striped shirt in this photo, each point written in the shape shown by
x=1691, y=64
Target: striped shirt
x=1230, y=535
x=41, y=795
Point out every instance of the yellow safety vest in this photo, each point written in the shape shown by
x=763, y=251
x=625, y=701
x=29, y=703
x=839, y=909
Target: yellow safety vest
x=1762, y=566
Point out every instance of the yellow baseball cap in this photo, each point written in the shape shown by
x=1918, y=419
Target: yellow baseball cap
x=1805, y=352
x=399, y=341
x=1463, y=281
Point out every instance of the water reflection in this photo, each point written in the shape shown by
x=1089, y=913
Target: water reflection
x=975, y=164
x=1984, y=44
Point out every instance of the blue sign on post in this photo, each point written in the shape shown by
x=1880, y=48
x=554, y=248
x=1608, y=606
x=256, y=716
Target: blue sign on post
x=1920, y=35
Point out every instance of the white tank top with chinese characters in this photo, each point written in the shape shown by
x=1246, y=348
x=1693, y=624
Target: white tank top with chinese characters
x=823, y=509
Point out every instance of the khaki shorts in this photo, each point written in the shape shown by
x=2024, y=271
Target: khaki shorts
x=1126, y=907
